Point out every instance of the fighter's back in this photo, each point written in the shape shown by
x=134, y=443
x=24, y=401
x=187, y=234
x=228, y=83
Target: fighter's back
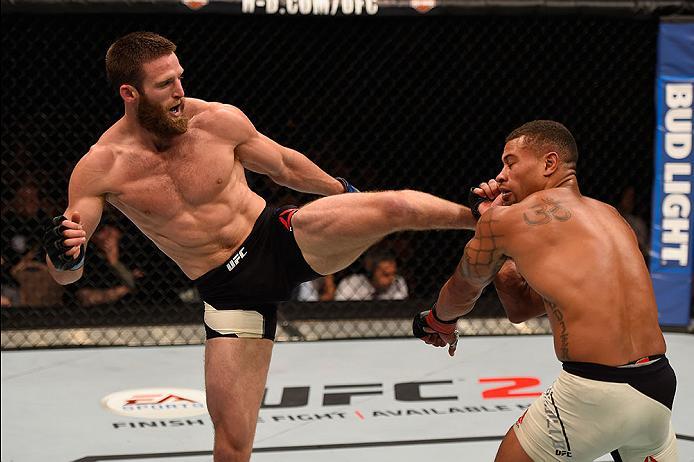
x=583, y=259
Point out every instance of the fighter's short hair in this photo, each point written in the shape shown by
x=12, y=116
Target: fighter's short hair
x=551, y=134
x=125, y=57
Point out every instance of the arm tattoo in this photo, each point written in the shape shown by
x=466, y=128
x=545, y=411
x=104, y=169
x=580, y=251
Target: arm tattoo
x=482, y=258
x=563, y=333
x=543, y=213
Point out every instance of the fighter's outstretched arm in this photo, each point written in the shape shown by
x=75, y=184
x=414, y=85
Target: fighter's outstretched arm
x=482, y=259
x=519, y=300
x=69, y=236
x=283, y=165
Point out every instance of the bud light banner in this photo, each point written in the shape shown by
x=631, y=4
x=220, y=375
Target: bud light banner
x=671, y=241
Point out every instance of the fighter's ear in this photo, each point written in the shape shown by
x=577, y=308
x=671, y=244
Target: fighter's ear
x=128, y=92
x=551, y=163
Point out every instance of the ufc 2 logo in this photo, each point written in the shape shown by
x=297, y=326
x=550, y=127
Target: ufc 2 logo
x=236, y=258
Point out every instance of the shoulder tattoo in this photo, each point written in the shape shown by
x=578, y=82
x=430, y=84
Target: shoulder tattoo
x=545, y=212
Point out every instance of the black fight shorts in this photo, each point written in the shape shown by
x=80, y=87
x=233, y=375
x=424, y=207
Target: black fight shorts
x=241, y=295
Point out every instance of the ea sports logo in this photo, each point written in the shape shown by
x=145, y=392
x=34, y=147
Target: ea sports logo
x=195, y=4
x=156, y=403
x=423, y=6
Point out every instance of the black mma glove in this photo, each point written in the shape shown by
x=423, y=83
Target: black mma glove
x=474, y=202
x=345, y=184
x=53, y=244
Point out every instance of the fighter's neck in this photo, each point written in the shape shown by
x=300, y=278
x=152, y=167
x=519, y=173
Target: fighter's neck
x=566, y=181
x=145, y=137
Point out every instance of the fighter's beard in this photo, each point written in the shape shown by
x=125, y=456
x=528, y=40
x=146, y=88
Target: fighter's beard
x=155, y=119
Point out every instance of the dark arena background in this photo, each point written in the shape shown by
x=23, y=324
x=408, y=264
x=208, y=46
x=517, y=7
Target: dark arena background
x=394, y=100
x=389, y=94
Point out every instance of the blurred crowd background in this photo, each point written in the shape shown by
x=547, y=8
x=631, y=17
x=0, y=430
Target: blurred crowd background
x=386, y=102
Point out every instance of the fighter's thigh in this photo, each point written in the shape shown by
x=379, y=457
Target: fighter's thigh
x=664, y=452
x=332, y=232
x=528, y=439
x=349, y=220
x=510, y=449
x=235, y=376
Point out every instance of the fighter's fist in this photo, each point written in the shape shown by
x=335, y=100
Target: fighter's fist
x=64, y=242
x=481, y=198
x=434, y=331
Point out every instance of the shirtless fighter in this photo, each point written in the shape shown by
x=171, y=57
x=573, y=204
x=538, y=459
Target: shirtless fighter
x=551, y=250
x=175, y=167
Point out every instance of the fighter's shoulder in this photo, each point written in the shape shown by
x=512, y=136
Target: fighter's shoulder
x=220, y=118
x=498, y=217
x=100, y=157
x=550, y=205
x=596, y=204
x=597, y=207
x=502, y=219
x=113, y=143
x=92, y=172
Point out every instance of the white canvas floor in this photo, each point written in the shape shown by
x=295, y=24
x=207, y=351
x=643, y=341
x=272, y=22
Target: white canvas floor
x=416, y=402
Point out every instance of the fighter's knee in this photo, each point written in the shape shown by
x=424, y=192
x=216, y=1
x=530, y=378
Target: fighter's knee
x=231, y=448
x=230, y=453
x=400, y=206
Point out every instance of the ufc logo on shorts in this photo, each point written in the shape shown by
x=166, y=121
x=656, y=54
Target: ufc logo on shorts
x=236, y=258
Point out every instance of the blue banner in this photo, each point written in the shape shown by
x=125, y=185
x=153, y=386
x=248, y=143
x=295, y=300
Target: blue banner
x=671, y=237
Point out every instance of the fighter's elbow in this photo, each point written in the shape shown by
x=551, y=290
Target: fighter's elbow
x=516, y=319
x=516, y=314
x=523, y=314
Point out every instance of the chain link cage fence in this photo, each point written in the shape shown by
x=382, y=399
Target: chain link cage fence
x=387, y=102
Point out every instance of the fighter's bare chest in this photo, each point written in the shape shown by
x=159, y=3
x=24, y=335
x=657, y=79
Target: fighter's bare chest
x=164, y=183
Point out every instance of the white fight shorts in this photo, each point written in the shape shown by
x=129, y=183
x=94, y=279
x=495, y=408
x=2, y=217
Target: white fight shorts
x=591, y=410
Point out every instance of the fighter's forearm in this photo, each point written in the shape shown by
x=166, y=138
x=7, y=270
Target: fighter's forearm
x=457, y=298
x=469, y=220
x=519, y=300
x=63, y=277
x=301, y=174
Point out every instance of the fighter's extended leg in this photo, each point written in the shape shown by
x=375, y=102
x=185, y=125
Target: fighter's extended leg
x=333, y=231
x=235, y=376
